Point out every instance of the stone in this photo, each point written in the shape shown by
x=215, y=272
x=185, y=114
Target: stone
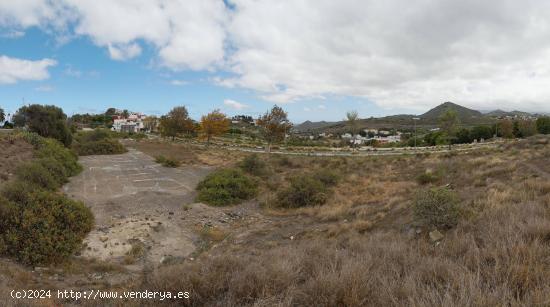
x=436, y=236
x=103, y=238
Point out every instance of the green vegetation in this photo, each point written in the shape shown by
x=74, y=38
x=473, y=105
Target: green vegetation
x=436, y=208
x=226, y=187
x=543, y=125
x=426, y=178
x=97, y=142
x=307, y=190
x=37, y=224
x=167, y=162
x=47, y=121
x=46, y=228
x=253, y=165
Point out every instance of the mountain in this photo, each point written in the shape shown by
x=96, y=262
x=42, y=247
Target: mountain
x=430, y=119
x=309, y=125
x=465, y=115
x=501, y=113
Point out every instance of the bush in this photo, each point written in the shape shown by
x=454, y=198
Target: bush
x=327, y=177
x=44, y=229
x=226, y=187
x=17, y=191
x=56, y=169
x=303, y=191
x=49, y=148
x=167, y=162
x=36, y=174
x=102, y=147
x=253, y=165
x=426, y=178
x=436, y=208
x=97, y=142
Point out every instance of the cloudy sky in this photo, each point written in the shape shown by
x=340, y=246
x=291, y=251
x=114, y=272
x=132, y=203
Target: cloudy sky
x=317, y=58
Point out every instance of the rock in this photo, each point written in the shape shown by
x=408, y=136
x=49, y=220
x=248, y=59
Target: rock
x=436, y=236
x=171, y=213
x=291, y=237
x=103, y=238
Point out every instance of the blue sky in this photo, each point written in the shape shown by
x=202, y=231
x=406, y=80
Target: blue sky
x=86, y=80
x=317, y=59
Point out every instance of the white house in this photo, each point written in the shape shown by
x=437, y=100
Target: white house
x=134, y=123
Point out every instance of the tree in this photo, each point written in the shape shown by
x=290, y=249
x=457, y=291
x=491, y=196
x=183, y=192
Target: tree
x=125, y=113
x=527, y=128
x=506, y=129
x=543, y=125
x=463, y=136
x=47, y=121
x=482, y=132
x=2, y=115
x=352, y=118
x=448, y=122
x=275, y=125
x=177, y=121
x=213, y=124
x=150, y=123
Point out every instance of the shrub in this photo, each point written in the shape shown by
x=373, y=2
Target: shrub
x=253, y=165
x=49, y=148
x=17, y=191
x=167, y=162
x=226, y=187
x=101, y=147
x=97, y=142
x=327, y=177
x=426, y=178
x=36, y=174
x=303, y=191
x=44, y=229
x=56, y=169
x=436, y=208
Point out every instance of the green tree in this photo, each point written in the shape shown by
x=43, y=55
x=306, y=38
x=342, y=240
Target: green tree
x=482, y=132
x=46, y=120
x=177, y=121
x=275, y=125
x=125, y=113
x=463, y=136
x=2, y=115
x=527, y=128
x=448, y=122
x=543, y=125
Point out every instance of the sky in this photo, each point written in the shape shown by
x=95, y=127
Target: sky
x=315, y=58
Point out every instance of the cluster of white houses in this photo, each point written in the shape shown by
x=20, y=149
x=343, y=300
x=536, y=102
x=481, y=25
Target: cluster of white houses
x=133, y=123
x=380, y=136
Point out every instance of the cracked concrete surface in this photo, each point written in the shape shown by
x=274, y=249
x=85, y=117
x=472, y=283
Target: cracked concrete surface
x=137, y=201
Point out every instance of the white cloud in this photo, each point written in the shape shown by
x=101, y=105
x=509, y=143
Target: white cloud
x=179, y=82
x=13, y=70
x=321, y=107
x=13, y=34
x=483, y=54
x=235, y=104
x=123, y=52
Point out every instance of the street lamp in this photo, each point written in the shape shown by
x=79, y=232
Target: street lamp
x=414, y=120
